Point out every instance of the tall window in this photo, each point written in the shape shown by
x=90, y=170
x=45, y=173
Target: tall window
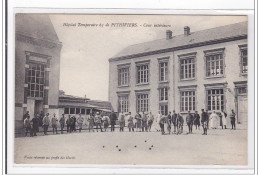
x=163, y=94
x=215, y=64
x=123, y=76
x=187, y=68
x=215, y=98
x=123, y=103
x=142, y=102
x=163, y=109
x=163, y=68
x=36, y=80
x=243, y=53
x=142, y=74
x=188, y=101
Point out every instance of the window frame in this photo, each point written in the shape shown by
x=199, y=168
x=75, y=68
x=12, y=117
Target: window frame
x=188, y=56
x=214, y=52
x=127, y=78
x=146, y=93
x=241, y=49
x=139, y=64
x=125, y=105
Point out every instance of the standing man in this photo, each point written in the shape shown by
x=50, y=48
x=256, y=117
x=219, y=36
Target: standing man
x=91, y=123
x=62, y=123
x=80, y=121
x=204, y=121
x=35, y=125
x=46, y=123
x=207, y=111
x=189, y=121
x=170, y=117
x=68, y=124
x=54, y=123
x=121, y=122
x=138, y=122
x=161, y=123
x=233, y=119
x=150, y=121
x=27, y=125
x=213, y=120
x=197, y=120
x=98, y=121
x=174, y=122
x=105, y=120
x=26, y=115
x=130, y=122
x=113, y=121
x=224, y=118
x=179, y=121
x=144, y=122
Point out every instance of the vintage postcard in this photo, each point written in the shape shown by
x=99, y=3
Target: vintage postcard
x=131, y=89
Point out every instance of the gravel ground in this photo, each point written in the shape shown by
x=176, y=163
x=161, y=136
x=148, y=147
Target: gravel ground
x=219, y=147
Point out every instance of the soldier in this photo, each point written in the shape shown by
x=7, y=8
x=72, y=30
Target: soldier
x=144, y=122
x=27, y=125
x=130, y=122
x=204, y=121
x=121, y=122
x=174, y=116
x=35, y=125
x=105, y=120
x=113, y=119
x=197, y=120
x=233, y=119
x=189, y=121
x=62, y=123
x=54, y=123
x=80, y=121
x=179, y=121
x=97, y=120
x=46, y=123
x=68, y=124
x=150, y=121
x=170, y=117
x=91, y=123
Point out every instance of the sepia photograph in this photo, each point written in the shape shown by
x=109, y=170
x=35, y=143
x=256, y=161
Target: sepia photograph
x=131, y=89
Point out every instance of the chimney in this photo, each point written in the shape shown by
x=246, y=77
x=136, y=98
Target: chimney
x=168, y=34
x=186, y=30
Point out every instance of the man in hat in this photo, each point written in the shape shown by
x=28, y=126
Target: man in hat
x=27, y=125
x=35, y=125
x=130, y=122
x=80, y=121
x=179, y=121
x=204, y=121
x=54, y=121
x=144, y=122
x=62, y=123
x=150, y=121
x=174, y=122
x=98, y=119
x=105, y=120
x=233, y=119
x=46, y=123
x=113, y=119
x=68, y=124
x=189, y=121
x=197, y=120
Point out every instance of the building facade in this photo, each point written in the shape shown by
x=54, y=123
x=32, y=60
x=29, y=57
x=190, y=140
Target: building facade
x=196, y=70
x=37, y=66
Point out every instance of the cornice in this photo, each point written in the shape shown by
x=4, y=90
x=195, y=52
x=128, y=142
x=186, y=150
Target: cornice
x=217, y=41
x=37, y=41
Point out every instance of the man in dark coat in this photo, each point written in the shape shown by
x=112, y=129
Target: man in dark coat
x=144, y=122
x=204, y=121
x=197, y=120
x=174, y=122
x=113, y=121
x=179, y=122
x=189, y=121
x=170, y=117
x=68, y=124
x=35, y=125
x=26, y=115
x=233, y=119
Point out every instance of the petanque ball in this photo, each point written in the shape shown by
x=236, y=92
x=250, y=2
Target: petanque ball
x=119, y=150
x=150, y=148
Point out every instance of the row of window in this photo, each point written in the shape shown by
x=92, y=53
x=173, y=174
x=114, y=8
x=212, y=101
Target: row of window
x=214, y=67
x=215, y=100
x=73, y=110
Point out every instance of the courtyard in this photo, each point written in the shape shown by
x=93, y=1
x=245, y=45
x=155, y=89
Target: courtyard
x=219, y=147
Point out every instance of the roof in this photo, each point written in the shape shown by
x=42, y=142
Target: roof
x=36, y=25
x=203, y=36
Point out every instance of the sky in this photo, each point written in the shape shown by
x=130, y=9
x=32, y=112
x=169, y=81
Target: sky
x=84, y=66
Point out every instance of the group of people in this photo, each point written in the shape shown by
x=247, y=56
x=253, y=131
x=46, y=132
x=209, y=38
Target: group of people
x=141, y=122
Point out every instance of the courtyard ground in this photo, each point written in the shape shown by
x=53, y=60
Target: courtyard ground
x=219, y=147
